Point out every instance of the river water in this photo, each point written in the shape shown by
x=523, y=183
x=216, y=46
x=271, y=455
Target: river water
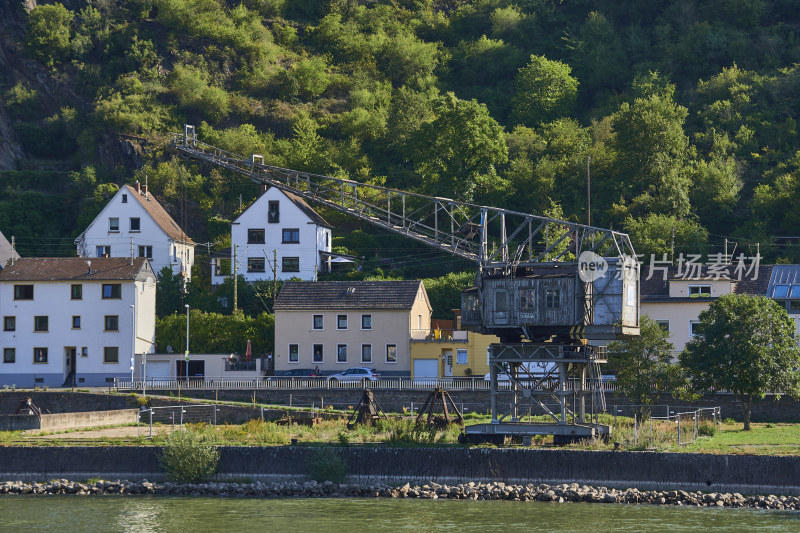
x=149, y=514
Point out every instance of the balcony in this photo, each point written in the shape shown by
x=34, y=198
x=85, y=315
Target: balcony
x=438, y=335
x=240, y=366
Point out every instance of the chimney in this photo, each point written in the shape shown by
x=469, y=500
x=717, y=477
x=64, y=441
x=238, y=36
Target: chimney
x=144, y=190
x=138, y=187
x=263, y=188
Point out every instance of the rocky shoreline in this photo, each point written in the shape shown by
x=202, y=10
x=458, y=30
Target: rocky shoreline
x=468, y=491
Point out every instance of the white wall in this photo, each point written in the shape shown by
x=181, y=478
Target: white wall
x=166, y=252
x=53, y=299
x=312, y=240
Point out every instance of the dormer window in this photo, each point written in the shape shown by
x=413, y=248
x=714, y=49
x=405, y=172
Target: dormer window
x=113, y=224
x=699, y=291
x=273, y=212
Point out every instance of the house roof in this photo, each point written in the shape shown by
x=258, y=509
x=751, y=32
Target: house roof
x=76, y=269
x=327, y=295
x=657, y=287
x=6, y=252
x=160, y=215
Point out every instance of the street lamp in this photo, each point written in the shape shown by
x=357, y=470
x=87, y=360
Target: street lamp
x=186, y=356
x=133, y=342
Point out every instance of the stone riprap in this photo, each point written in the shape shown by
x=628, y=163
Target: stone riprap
x=563, y=493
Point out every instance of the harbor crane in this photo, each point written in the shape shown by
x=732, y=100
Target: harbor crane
x=553, y=291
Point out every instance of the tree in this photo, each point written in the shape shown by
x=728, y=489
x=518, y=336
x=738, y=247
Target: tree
x=745, y=344
x=48, y=33
x=643, y=364
x=458, y=148
x=544, y=90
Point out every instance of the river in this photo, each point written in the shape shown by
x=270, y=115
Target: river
x=202, y=514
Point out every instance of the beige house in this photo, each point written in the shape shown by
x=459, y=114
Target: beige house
x=676, y=301
x=335, y=325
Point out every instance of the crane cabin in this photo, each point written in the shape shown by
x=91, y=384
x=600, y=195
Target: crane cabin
x=556, y=302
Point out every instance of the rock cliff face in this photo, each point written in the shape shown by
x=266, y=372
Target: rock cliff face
x=12, y=24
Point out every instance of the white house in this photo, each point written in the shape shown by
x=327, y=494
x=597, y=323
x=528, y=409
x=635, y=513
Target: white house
x=279, y=235
x=335, y=325
x=133, y=224
x=68, y=318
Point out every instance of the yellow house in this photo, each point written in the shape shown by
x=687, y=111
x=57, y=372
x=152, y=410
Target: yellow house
x=447, y=351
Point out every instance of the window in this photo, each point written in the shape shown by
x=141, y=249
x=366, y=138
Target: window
x=40, y=355
x=111, y=354
x=317, y=322
x=366, y=321
x=341, y=353
x=124, y=198
x=341, y=321
x=664, y=324
x=527, y=299
x=146, y=251
x=273, y=212
x=76, y=322
x=85, y=351
x=23, y=292
x=317, y=354
x=294, y=353
x=291, y=235
x=111, y=323
x=699, y=291
x=552, y=298
x=135, y=224
x=76, y=292
x=104, y=251
x=366, y=353
x=290, y=264
x=113, y=224
x=255, y=236
x=9, y=355
x=391, y=353
x=256, y=264
x=694, y=329
x=112, y=290
x=461, y=357
x=40, y=323
x=9, y=323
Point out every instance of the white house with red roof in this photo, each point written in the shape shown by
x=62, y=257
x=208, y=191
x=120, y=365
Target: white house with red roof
x=134, y=224
x=71, y=320
x=278, y=236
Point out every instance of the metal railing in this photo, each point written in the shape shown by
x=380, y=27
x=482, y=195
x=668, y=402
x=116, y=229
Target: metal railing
x=322, y=383
x=177, y=416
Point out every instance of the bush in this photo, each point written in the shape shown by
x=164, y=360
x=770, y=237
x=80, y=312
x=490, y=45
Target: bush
x=707, y=429
x=187, y=457
x=326, y=465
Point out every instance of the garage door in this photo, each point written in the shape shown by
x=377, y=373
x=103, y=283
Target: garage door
x=157, y=369
x=426, y=368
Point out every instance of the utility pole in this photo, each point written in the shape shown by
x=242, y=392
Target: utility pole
x=235, y=280
x=274, y=277
x=588, y=192
x=13, y=250
x=131, y=251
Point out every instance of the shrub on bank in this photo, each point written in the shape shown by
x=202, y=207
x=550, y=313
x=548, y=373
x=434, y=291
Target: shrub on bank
x=188, y=457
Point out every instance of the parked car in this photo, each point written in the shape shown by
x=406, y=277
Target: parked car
x=359, y=373
x=298, y=373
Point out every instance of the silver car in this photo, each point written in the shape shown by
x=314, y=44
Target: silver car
x=358, y=373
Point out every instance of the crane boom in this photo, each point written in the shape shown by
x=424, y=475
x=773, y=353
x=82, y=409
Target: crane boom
x=498, y=240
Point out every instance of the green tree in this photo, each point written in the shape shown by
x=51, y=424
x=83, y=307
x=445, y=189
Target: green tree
x=48, y=33
x=643, y=364
x=745, y=344
x=544, y=90
x=665, y=234
x=459, y=149
x=217, y=333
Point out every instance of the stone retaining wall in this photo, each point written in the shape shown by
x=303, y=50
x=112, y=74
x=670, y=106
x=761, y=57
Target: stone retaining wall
x=85, y=419
x=641, y=470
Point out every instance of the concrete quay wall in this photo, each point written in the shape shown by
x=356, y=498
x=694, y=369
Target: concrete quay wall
x=642, y=470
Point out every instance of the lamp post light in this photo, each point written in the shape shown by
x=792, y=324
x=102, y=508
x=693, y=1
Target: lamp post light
x=133, y=342
x=186, y=355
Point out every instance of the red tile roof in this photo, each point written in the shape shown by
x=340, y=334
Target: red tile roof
x=75, y=268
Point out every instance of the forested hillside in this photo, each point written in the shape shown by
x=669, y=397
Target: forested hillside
x=685, y=111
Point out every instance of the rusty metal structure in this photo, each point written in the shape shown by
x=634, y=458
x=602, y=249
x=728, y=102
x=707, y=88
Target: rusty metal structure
x=27, y=407
x=447, y=413
x=553, y=291
x=367, y=412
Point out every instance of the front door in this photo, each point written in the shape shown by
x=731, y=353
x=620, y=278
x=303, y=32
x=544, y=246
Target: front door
x=70, y=360
x=448, y=363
